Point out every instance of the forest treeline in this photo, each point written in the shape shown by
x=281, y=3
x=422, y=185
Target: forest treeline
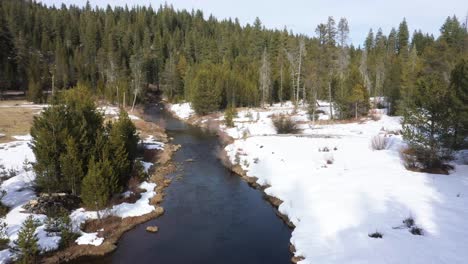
x=120, y=52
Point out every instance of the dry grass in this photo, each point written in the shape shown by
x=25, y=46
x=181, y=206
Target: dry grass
x=15, y=120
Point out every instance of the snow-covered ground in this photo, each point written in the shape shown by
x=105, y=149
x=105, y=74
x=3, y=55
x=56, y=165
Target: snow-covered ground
x=123, y=210
x=113, y=112
x=183, y=110
x=19, y=190
x=336, y=198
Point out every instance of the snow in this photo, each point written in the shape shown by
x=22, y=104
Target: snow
x=151, y=143
x=109, y=110
x=18, y=192
x=336, y=206
x=183, y=110
x=133, y=117
x=146, y=165
x=113, y=111
x=89, y=239
x=123, y=210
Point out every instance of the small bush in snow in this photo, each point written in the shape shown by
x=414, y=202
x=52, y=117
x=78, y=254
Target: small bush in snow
x=416, y=231
x=237, y=158
x=379, y=142
x=256, y=160
x=376, y=235
x=229, y=116
x=249, y=115
x=375, y=115
x=409, y=222
x=138, y=171
x=4, y=239
x=329, y=160
x=27, y=243
x=422, y=159
x=246, y=163
x=285, y=124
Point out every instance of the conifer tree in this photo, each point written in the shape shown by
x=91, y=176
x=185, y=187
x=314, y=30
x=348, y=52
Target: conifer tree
x=27, y=242
x=99, y=184
x=72, y=167
x=459, y=102
x=425, y=120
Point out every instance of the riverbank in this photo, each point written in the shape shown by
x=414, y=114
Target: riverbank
x=115, y=227
x=347, y=199
x=96, y=237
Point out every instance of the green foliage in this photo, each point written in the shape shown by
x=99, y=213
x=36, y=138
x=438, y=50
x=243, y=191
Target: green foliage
x=139, y=171
x=229, y=116
x=69, y=136
x=27, y=242
x=4, y=239
x=60, y=222
x=207, y=89
x=72, y=166
x=99, y=184
x=425, y=121
x=459, y=102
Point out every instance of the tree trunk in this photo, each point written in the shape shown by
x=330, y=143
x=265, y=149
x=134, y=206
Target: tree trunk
x=330, y=100
x=134, y=100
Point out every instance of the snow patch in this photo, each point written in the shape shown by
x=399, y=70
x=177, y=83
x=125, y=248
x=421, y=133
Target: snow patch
x=183, y=110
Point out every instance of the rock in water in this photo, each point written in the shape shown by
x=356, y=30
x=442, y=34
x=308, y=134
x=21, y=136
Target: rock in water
x=152, y=229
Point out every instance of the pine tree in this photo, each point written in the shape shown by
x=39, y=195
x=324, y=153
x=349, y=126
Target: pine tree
x=27, y=242
x=72, y=167
x=99, y=184
x=207, y=90
x=425, y=121
x=459, y=102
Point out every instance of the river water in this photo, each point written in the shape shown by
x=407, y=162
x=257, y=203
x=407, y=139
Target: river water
x=211, y=215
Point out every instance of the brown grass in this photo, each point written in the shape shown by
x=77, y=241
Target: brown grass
x=15, y=120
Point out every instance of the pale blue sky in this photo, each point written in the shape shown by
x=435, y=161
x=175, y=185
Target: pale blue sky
x=302, y=16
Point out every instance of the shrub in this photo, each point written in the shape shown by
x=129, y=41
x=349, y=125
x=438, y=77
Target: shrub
x=4, y=239
x=27, y=242
x=409, y=222
x=229, y=116
x=138, y=171
x=285, y=124
x=416, y=231
x=379, y=142
x=375, y=115
x=422, y=159
x=376, y=234
x=330, y=160
x=249, y=115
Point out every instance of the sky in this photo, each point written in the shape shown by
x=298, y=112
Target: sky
x=303, y=16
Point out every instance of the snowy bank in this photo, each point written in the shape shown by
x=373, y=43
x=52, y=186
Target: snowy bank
x=123, y=210
x=336, y=190
x=183, y=110
x=19, y=190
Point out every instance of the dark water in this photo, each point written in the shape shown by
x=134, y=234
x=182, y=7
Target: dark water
x=211, y=215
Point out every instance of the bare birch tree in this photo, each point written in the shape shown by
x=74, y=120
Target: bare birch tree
x=265, y=81
x=137, y=75
x=295, y=60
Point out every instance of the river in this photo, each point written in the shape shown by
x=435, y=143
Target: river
x=211, y=215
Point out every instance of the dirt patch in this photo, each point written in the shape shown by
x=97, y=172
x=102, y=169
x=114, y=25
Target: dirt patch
x=114, y=228
x=15, y=119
